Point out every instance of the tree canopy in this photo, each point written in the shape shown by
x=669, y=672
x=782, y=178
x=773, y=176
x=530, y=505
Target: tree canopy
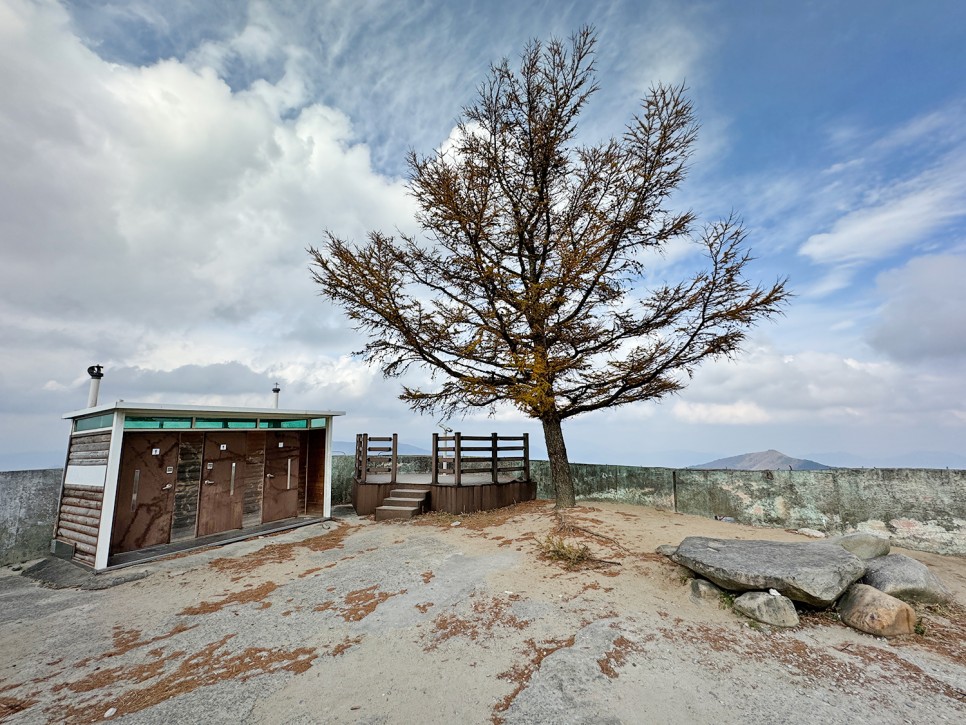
x=528, y=285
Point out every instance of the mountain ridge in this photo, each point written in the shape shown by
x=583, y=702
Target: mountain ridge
x=770, y=460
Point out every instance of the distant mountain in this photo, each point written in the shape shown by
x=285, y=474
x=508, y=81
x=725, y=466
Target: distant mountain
x=912, y=459
x=770, y=460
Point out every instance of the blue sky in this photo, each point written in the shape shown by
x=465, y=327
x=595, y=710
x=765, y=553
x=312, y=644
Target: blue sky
x=168, y=163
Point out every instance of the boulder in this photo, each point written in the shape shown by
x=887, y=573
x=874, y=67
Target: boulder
x=666, y=549
x=864, y=545
x=768, y=609
x=905, y=578
x=869, y=610
x=704, y=591
x=815, y=573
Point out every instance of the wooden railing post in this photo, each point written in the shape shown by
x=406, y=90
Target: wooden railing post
x=526, y=457
x=457, y=457
x=435, y=459
x=495, y=458
x=393, y=462
x=365, y=456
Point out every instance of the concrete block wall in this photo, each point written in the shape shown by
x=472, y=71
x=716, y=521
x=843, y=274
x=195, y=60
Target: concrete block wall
x=922, y=509
x=918, y=508
x=28, y=506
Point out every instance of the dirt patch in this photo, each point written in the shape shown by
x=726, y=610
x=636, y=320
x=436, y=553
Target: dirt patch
x=521, y=674
x=10, y=706
x=282, y=552
x=344, y=646
x=245, y=596
x=482, y=520
x=363, y=602
x=616, y=656
x=490, y=613
x=359, y=604
x=206, y=667
x=127, y=639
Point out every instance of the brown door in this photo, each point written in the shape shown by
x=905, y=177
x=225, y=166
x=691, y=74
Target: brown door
x=281, y=497
x=145, y=491
x=220, y=502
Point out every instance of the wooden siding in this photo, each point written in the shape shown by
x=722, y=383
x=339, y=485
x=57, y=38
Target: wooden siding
x=467, y=499
x=254, y=479
x=79, y=519
x=316, y=462
x=452, y=499
x=185, y=516
x=89, y=450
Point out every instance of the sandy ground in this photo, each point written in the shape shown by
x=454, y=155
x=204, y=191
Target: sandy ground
x=427, y=622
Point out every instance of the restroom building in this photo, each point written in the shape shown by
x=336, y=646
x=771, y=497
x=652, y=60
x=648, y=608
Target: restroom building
x=144, y=478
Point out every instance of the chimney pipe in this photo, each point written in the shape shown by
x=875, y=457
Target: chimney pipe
x=276, y=390
x=95, y=372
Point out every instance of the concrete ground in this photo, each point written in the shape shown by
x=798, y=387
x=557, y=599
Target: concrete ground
x=454, y=620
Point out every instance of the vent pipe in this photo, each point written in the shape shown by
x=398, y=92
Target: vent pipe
x=276, y=390
x=95, y=372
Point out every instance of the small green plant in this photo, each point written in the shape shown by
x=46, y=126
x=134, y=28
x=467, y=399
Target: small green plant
x=570, y=555
x=726, y=600
x=920, y=627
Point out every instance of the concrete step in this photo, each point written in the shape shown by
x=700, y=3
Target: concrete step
x=384, y=513
x=408, y=502
x=411, y=493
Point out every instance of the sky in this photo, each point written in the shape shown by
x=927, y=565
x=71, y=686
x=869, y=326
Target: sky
x=165, y=166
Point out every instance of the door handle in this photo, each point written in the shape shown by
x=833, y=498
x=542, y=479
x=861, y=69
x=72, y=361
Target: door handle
x=208, y=483
x=166, y=488
x=269, y=475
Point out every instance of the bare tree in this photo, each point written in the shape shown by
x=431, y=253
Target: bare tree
x=529, y=286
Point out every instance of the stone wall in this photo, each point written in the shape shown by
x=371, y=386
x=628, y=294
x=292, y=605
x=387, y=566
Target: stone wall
x=922, y=509
x=28, y=507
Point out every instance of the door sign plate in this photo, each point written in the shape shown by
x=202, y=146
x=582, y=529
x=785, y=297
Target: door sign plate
x=223, y=447
x=210, y=465
x=155, y=451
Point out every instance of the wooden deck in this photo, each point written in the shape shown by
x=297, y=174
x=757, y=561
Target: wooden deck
x=467, y=473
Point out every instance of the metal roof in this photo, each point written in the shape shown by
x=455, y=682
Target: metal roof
x=226, y=411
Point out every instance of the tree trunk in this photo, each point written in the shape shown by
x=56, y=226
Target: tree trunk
x=563, y=482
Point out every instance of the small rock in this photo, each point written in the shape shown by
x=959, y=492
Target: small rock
x=863, y=544
x=666, y=549
x=905, y=578
x=110, y=713
x=867, y=609
x=774, y=592
x=726, y=519
x=813, y=533
x=768, y=609
x=704, y=591
x=456, y=523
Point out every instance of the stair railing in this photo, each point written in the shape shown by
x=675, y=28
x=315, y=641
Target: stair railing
x=458, y=454
x=375, y=457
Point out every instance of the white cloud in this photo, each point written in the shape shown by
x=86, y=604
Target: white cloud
x=739, y=413
x=924, y=313
x=897, y=218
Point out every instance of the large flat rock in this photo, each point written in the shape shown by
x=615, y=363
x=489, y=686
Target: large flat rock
x=812, y=573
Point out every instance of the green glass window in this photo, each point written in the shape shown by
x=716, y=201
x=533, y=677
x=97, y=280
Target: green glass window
x=295, y=424
x=317, y=423
x=241, y=423
x=210, y=423
x=154, y=422
x=93, y=422
x=269, y=424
